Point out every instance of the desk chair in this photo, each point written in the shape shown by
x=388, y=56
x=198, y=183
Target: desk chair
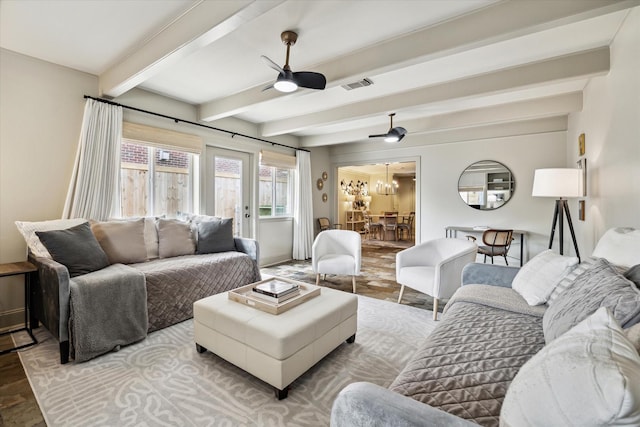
x=495, y=243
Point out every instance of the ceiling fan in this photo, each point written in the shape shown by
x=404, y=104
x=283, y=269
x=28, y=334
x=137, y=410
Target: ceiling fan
x=394, y=135
x=289, y=81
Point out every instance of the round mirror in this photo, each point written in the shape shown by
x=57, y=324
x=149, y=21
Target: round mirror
x=486, y=185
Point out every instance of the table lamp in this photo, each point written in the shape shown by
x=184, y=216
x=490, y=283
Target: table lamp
x=562, y=184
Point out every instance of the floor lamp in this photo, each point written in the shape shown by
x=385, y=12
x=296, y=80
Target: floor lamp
x=562, y=184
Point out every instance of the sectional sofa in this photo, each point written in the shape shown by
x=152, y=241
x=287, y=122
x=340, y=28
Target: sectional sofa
x=106, y=284
x=552, y=343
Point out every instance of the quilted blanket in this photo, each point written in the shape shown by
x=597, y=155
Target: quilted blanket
x=468, y=362
x=174, y=284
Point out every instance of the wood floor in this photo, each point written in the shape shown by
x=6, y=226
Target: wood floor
x=18, y=406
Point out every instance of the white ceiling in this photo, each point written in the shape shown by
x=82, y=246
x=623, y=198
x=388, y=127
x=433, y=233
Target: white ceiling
x=438, y=64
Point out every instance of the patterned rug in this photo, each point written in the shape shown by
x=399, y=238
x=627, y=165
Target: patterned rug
x=163, y=381
x=377, y=276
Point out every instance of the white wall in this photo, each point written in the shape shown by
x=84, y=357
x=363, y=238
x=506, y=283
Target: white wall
x=610, y=120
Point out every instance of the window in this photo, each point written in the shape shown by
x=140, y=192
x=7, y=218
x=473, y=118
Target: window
x=276, y=184
x=276, y=191
x=155, y=181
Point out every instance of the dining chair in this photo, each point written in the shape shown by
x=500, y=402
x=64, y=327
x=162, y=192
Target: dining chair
x=371, y=228
x=391, y=224
x=325, y=224
x=406, y=226
x=495, y=243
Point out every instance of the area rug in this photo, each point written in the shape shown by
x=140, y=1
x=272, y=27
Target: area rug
x=377, y=277
x=163, y=381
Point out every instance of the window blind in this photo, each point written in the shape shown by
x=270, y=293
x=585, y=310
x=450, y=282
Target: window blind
x=162, y=138
x=278, y=160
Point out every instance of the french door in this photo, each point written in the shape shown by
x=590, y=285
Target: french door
x=229, y=188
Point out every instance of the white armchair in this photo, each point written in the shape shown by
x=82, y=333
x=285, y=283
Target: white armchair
x=434, y=267
x=337, y=252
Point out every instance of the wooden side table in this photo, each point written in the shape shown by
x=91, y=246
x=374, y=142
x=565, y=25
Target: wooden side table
x=14, y=269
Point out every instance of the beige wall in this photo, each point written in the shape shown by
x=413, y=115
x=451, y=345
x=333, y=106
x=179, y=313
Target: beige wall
x=41, y=107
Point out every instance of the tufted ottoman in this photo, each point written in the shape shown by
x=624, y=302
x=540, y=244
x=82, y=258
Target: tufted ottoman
x=275, y=348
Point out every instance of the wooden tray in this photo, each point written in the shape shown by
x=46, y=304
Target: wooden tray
x=244, y=296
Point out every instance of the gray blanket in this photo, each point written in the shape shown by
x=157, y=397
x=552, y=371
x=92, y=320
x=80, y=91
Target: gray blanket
x=108, y=308
x=174, y=284
x=496, y=297
x=468, y=362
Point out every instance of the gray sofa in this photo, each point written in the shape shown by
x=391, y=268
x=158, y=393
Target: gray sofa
x=461, y=374
x=93, y=313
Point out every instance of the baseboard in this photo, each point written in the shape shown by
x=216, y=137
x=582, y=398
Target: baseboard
x=11, y=319
x=270, y=262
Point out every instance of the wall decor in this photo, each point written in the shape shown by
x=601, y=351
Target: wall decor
x=320, y=183
x=325, y=197
x=325, y=176
x=582, y=164
x=581, y=146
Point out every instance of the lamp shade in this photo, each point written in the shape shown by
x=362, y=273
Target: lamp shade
x=565, y=182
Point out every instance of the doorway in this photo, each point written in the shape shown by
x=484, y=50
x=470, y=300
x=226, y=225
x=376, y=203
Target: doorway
x=367, y=192
x=229, y=188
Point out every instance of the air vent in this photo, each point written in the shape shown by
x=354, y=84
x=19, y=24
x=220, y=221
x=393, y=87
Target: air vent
x=360, y=83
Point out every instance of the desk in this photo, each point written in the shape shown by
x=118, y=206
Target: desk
x=15, y=269
x=452, y=231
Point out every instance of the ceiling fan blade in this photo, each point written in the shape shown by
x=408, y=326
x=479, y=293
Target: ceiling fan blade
x=400, y=131
x=310, y=80
x=382, y=135
x=272, y=64
x=267, y=87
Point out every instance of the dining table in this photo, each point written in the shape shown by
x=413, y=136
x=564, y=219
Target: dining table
x=382, y=220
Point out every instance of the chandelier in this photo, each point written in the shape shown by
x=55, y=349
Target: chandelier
x=388, y=187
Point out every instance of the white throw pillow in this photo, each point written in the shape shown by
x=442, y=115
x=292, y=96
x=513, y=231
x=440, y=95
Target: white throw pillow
x=590, y=376
x=28, y=231
x=537, y=278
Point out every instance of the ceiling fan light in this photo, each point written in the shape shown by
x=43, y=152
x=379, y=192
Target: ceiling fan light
x=395, y=134
x=285, y=86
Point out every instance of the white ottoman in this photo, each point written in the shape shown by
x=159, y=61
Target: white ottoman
x=275, y=348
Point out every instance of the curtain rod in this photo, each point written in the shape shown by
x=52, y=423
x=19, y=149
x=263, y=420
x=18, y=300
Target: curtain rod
x=178, y=120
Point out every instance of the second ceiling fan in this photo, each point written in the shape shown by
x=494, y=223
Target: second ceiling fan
x=395, y=134
x=289, y=81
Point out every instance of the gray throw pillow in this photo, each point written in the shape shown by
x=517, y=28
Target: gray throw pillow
x=76, y=248
x=215, y=236
x=633, y=274
x=599, y=286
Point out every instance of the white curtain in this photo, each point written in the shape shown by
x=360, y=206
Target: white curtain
x=94, y=187
x=303, y=207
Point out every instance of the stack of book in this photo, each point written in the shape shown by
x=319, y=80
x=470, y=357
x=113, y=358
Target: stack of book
x=276, y=291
